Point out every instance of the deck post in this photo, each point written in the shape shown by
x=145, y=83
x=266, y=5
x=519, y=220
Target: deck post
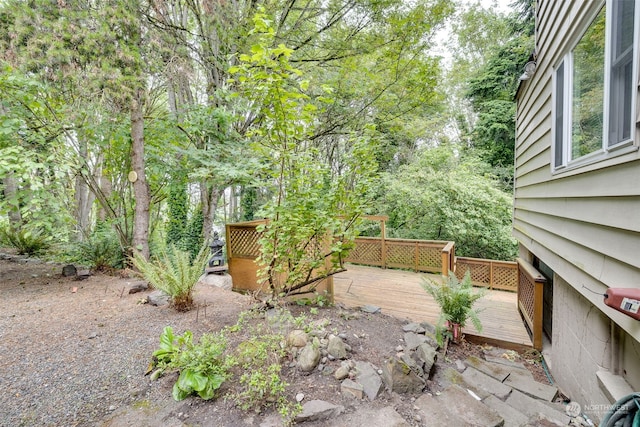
x=383, y=243
x=447, y=259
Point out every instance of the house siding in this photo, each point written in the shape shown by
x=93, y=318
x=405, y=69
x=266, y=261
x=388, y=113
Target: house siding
x=583, y=222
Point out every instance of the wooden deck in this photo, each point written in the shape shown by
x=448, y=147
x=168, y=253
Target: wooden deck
x=398, y=293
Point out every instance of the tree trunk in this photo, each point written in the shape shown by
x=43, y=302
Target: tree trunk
x=140, y=186
x=83, y=198
x=11, y=194
x=209, y=197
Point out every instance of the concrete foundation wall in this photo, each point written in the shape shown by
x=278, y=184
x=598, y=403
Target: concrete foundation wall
x=581, y=346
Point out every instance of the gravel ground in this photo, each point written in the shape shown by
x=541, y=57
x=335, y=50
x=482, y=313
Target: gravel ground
x=74, y=353
x=71, y=358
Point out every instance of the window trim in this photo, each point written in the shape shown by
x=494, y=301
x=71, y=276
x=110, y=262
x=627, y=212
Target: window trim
x=565, y=64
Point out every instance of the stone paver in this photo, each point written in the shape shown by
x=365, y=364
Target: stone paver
x=531, y=387
x=456, y=407
x=480, y=382
x=496, y=370
x=386, y=417
x=512, y=417
x=531, y=407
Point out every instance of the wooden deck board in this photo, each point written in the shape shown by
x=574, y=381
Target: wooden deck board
x=399, y=293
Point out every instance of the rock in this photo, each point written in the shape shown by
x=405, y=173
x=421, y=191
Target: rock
x=399, y=378
x=273, y=420
x=373, y=417
x=308, y=358
x=427, y=355
x=413, y=340
x=139, y=286
x=412, y=364
x=223, y=281
x=367, y=375
x=297, y=338
x=317, y=410
x=352, y=388
x=336, y=348
x=69, y=270
x=429, y=328
x=370, y=309
x=460, y=366
x=83, y=274
x=416, y=328
x=341, y=373
x=456, y=407
x=158, y=298
x=299, y=397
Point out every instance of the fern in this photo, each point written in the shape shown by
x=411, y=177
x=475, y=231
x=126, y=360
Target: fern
x=456, y=299
x=173, y=272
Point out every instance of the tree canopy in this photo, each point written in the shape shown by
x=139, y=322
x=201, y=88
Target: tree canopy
x=159, y=120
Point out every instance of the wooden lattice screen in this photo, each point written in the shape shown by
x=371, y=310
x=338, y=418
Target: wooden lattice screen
x=530, y=294
x=492, y=274
x=243, y=241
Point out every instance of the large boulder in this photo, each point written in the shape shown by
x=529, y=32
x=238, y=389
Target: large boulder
x=400, y=378
x=308, y=358
x=336, y=347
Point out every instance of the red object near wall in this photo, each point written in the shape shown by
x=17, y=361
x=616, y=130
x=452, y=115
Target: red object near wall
x=625, y=300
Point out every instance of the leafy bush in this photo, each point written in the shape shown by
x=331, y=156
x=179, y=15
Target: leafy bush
x=260, y=357
x=456, y=299
x=443, y=196
x=26, y=241
x=203, y=367
x=102, y=250
x=173, y=272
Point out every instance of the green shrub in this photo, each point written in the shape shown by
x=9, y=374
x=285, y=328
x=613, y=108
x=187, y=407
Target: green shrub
x=26, y=241
x=174, y=273
x=102, y=250
x=260, y=357
x=203, y=366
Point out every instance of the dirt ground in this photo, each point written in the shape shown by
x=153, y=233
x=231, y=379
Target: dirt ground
x=75, y=353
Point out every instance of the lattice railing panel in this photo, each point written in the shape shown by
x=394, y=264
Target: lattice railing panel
x=526, y=297
x=480, y=273
x=244, y=242
x=366, y=252
x=505, y=277
x=429, y=258
x=399, y=255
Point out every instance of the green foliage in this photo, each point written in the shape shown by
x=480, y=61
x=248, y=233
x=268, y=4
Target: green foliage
x=318, y=300
x=193, y=238
x=456, y=299
x=443, y=196
x=102, y=250
x=27, y=241
x=177, y=203
x=308, y=202
x=173, y=272
x=203, y=366
x=260, y=359
x=248, y=203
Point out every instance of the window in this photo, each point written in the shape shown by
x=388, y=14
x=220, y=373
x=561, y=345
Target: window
x=594, y=92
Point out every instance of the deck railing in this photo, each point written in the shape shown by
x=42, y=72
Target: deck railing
x=433, y=256
x=530, y=294
x=502, y=275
